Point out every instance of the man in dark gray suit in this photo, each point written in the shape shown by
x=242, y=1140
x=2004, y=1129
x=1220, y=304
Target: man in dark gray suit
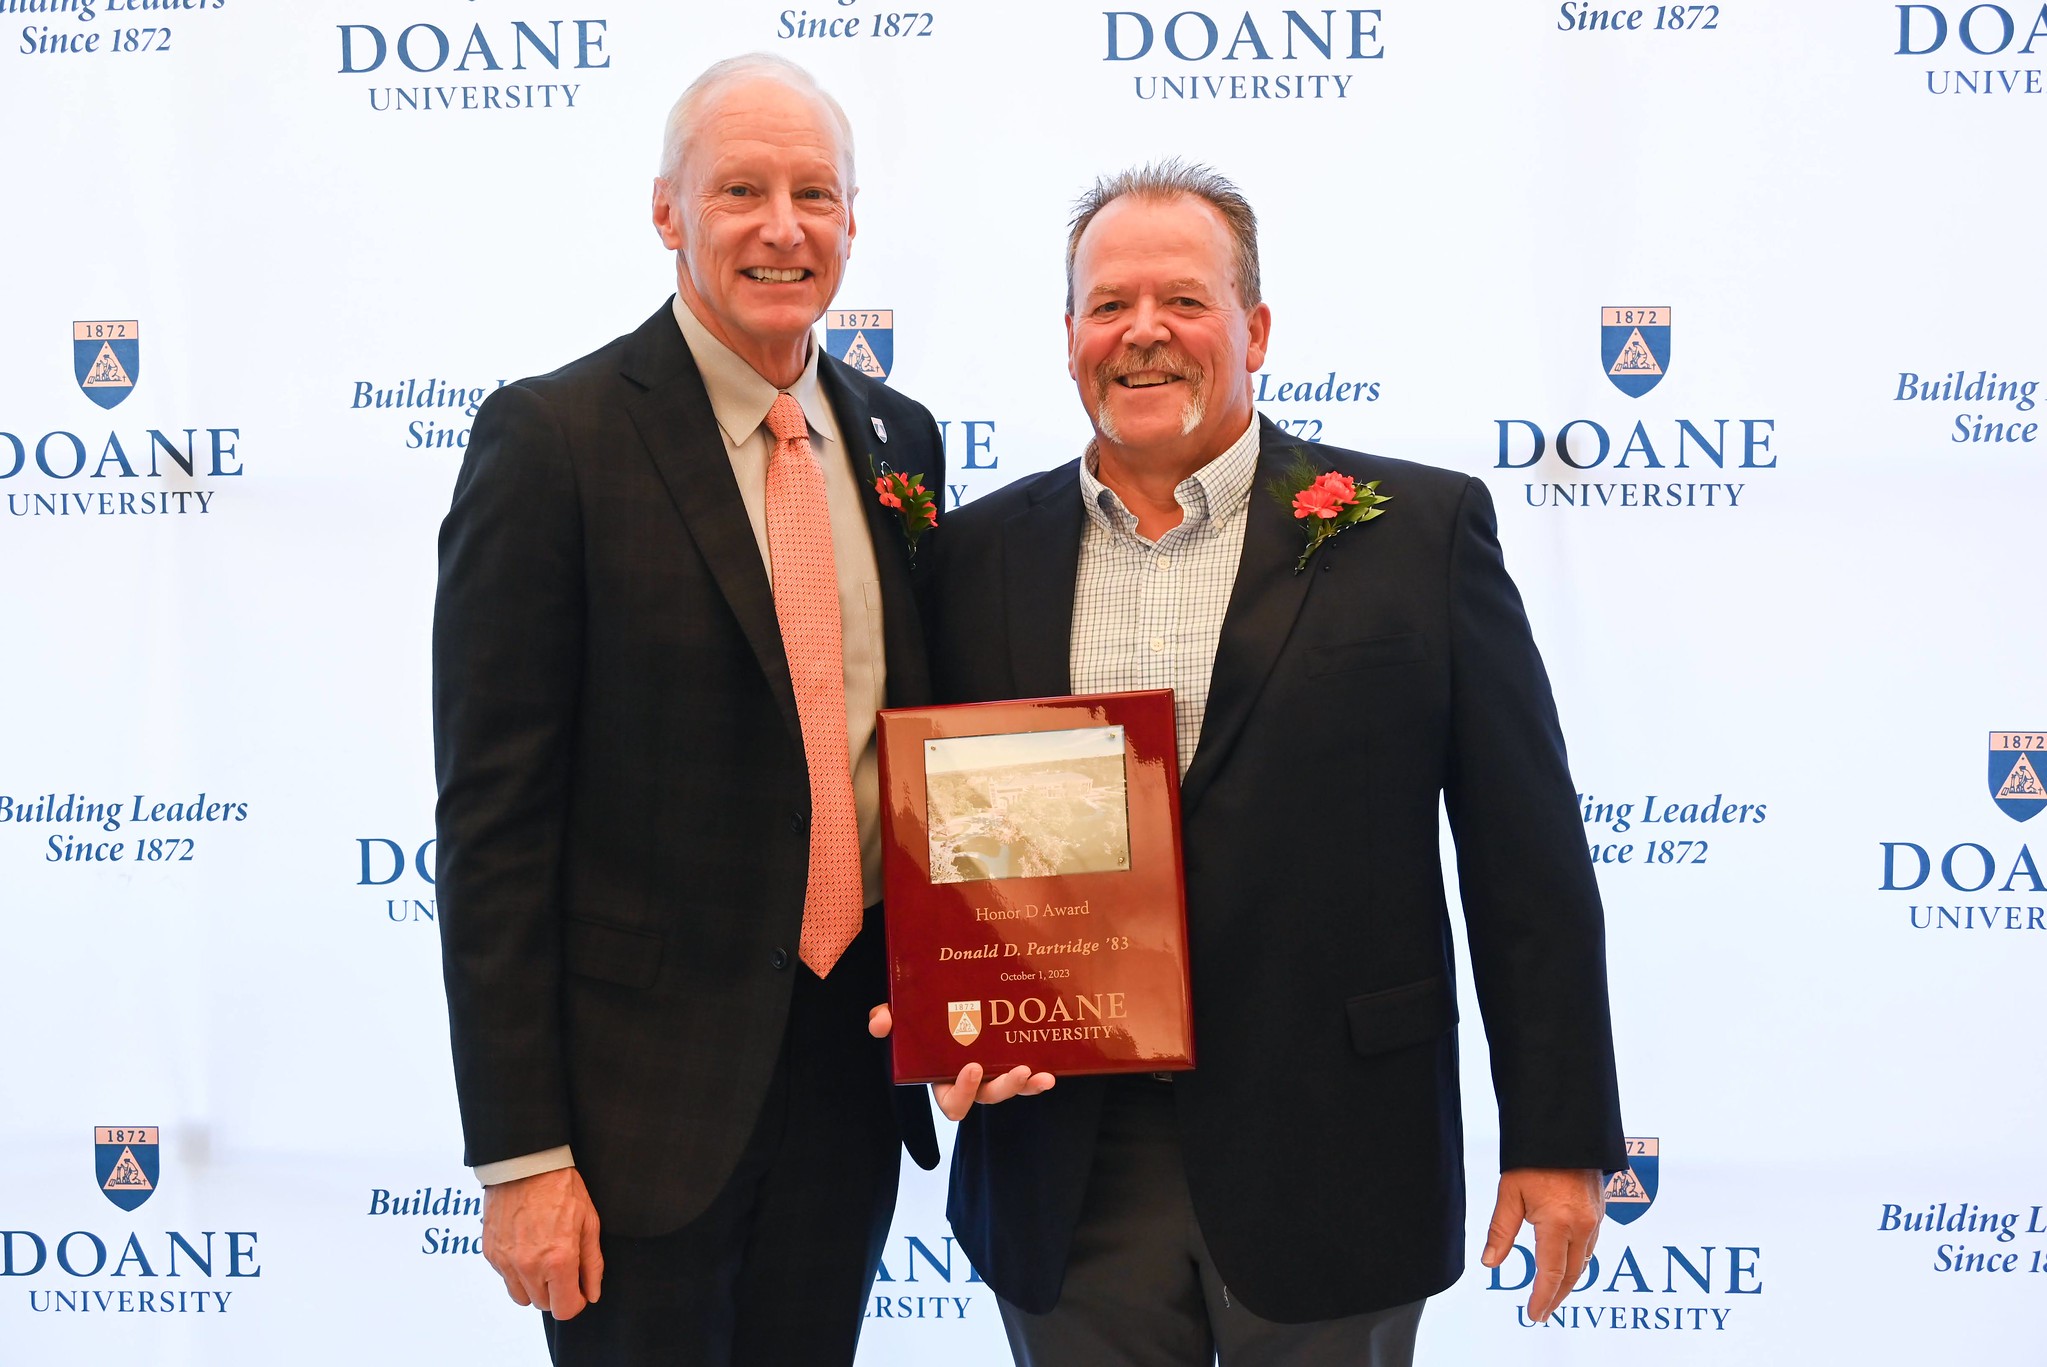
x=670, y=604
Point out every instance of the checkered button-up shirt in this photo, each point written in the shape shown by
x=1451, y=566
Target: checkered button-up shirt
x=1149, y=614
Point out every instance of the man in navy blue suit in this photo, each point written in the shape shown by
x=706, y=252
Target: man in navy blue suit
x=1296, y=1196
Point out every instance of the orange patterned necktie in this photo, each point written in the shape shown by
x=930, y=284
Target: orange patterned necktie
x=806, y=584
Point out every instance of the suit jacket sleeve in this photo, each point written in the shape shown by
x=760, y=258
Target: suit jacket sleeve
x=507, y=656
x=1531, y=903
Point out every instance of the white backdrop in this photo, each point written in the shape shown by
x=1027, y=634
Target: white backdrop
x=1450, y=198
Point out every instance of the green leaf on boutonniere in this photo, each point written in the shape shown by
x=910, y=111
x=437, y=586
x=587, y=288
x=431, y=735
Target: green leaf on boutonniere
x=915, y=506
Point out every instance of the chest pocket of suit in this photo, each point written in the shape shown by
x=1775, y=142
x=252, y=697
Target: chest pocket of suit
x=1407, y=647
x=877, y=643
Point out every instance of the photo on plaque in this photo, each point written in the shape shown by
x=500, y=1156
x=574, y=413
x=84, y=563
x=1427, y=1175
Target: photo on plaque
x=1028, y=804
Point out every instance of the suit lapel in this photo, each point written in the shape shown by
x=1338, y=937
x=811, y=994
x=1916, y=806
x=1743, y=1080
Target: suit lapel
x=909, y=680
x=673, y=416
x=1041, y=556
x=1264, y=603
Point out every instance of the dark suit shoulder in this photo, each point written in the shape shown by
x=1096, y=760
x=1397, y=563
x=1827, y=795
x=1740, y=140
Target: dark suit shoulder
x=993, y=509
x=603, y=364
x=586, y=378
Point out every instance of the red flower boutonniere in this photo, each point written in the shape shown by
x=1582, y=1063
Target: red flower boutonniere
x=914, y=504
x=1327, y=501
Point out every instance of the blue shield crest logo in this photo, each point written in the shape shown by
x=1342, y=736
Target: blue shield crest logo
x=1634, y=347
x=107, y=358
x=864, y=339
x=124, y=1161
x=1631, y=1191
x=2016, y=761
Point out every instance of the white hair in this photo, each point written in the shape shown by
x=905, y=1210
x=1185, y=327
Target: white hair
x=720, y=77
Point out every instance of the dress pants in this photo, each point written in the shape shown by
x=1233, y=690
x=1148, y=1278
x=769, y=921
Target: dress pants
x=776, y=1271
x=1141, y=1289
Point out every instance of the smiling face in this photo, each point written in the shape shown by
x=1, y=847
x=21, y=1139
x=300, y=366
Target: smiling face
x=762, y=219
x=1160, y=344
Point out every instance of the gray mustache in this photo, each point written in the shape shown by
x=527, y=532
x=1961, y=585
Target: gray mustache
x=1151, y=358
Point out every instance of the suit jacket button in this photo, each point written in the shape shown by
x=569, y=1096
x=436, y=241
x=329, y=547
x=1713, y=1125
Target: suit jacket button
x=780, y=958
x=797, y=821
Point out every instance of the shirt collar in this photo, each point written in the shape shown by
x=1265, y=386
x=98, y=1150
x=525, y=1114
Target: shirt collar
x=1215, y=491
x=740, y=397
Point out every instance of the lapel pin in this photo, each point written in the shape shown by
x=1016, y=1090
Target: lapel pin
x=879, y=430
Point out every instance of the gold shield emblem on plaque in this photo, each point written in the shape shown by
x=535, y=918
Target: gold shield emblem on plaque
x=965, y=1021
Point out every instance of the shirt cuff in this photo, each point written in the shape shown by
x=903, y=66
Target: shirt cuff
x=527, y=1165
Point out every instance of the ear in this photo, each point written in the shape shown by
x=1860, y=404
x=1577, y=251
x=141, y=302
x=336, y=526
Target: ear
x=1260, y=326
x=668, y=217
x=1072, y=361
x=852, y=225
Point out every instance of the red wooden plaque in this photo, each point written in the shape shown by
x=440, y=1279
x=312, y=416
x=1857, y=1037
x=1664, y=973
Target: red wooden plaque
x=1037, y=909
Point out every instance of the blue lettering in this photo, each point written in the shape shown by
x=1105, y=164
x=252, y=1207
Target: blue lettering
x=975, y=442
x=348, y=66
x=1713, y=452
x=1540, y=443
x=1963, y=29
x=523, y=34
x=64, y=1257
x=42, y=455
x=1905, y=48
x=397, y=869
x=159, y=440
x=2024, y=864
x=236, y=1254
x=440, y=45
x=1247, y=32
x=1294, y=23
x=1564, y=449
x=478, y=47
x=223, y=450
x=1144, y=26
x=7, y=1267
x=113, y=452
x=1207, y=26
x=1947, y=867
x=1891, y=848
x=1674, y=1259
x=1632, y=1270
x=132, y=1253
x=1639, y=442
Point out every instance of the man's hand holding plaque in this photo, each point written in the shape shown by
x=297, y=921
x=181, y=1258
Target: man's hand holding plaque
x=1037, y=918
x=969, y=1089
